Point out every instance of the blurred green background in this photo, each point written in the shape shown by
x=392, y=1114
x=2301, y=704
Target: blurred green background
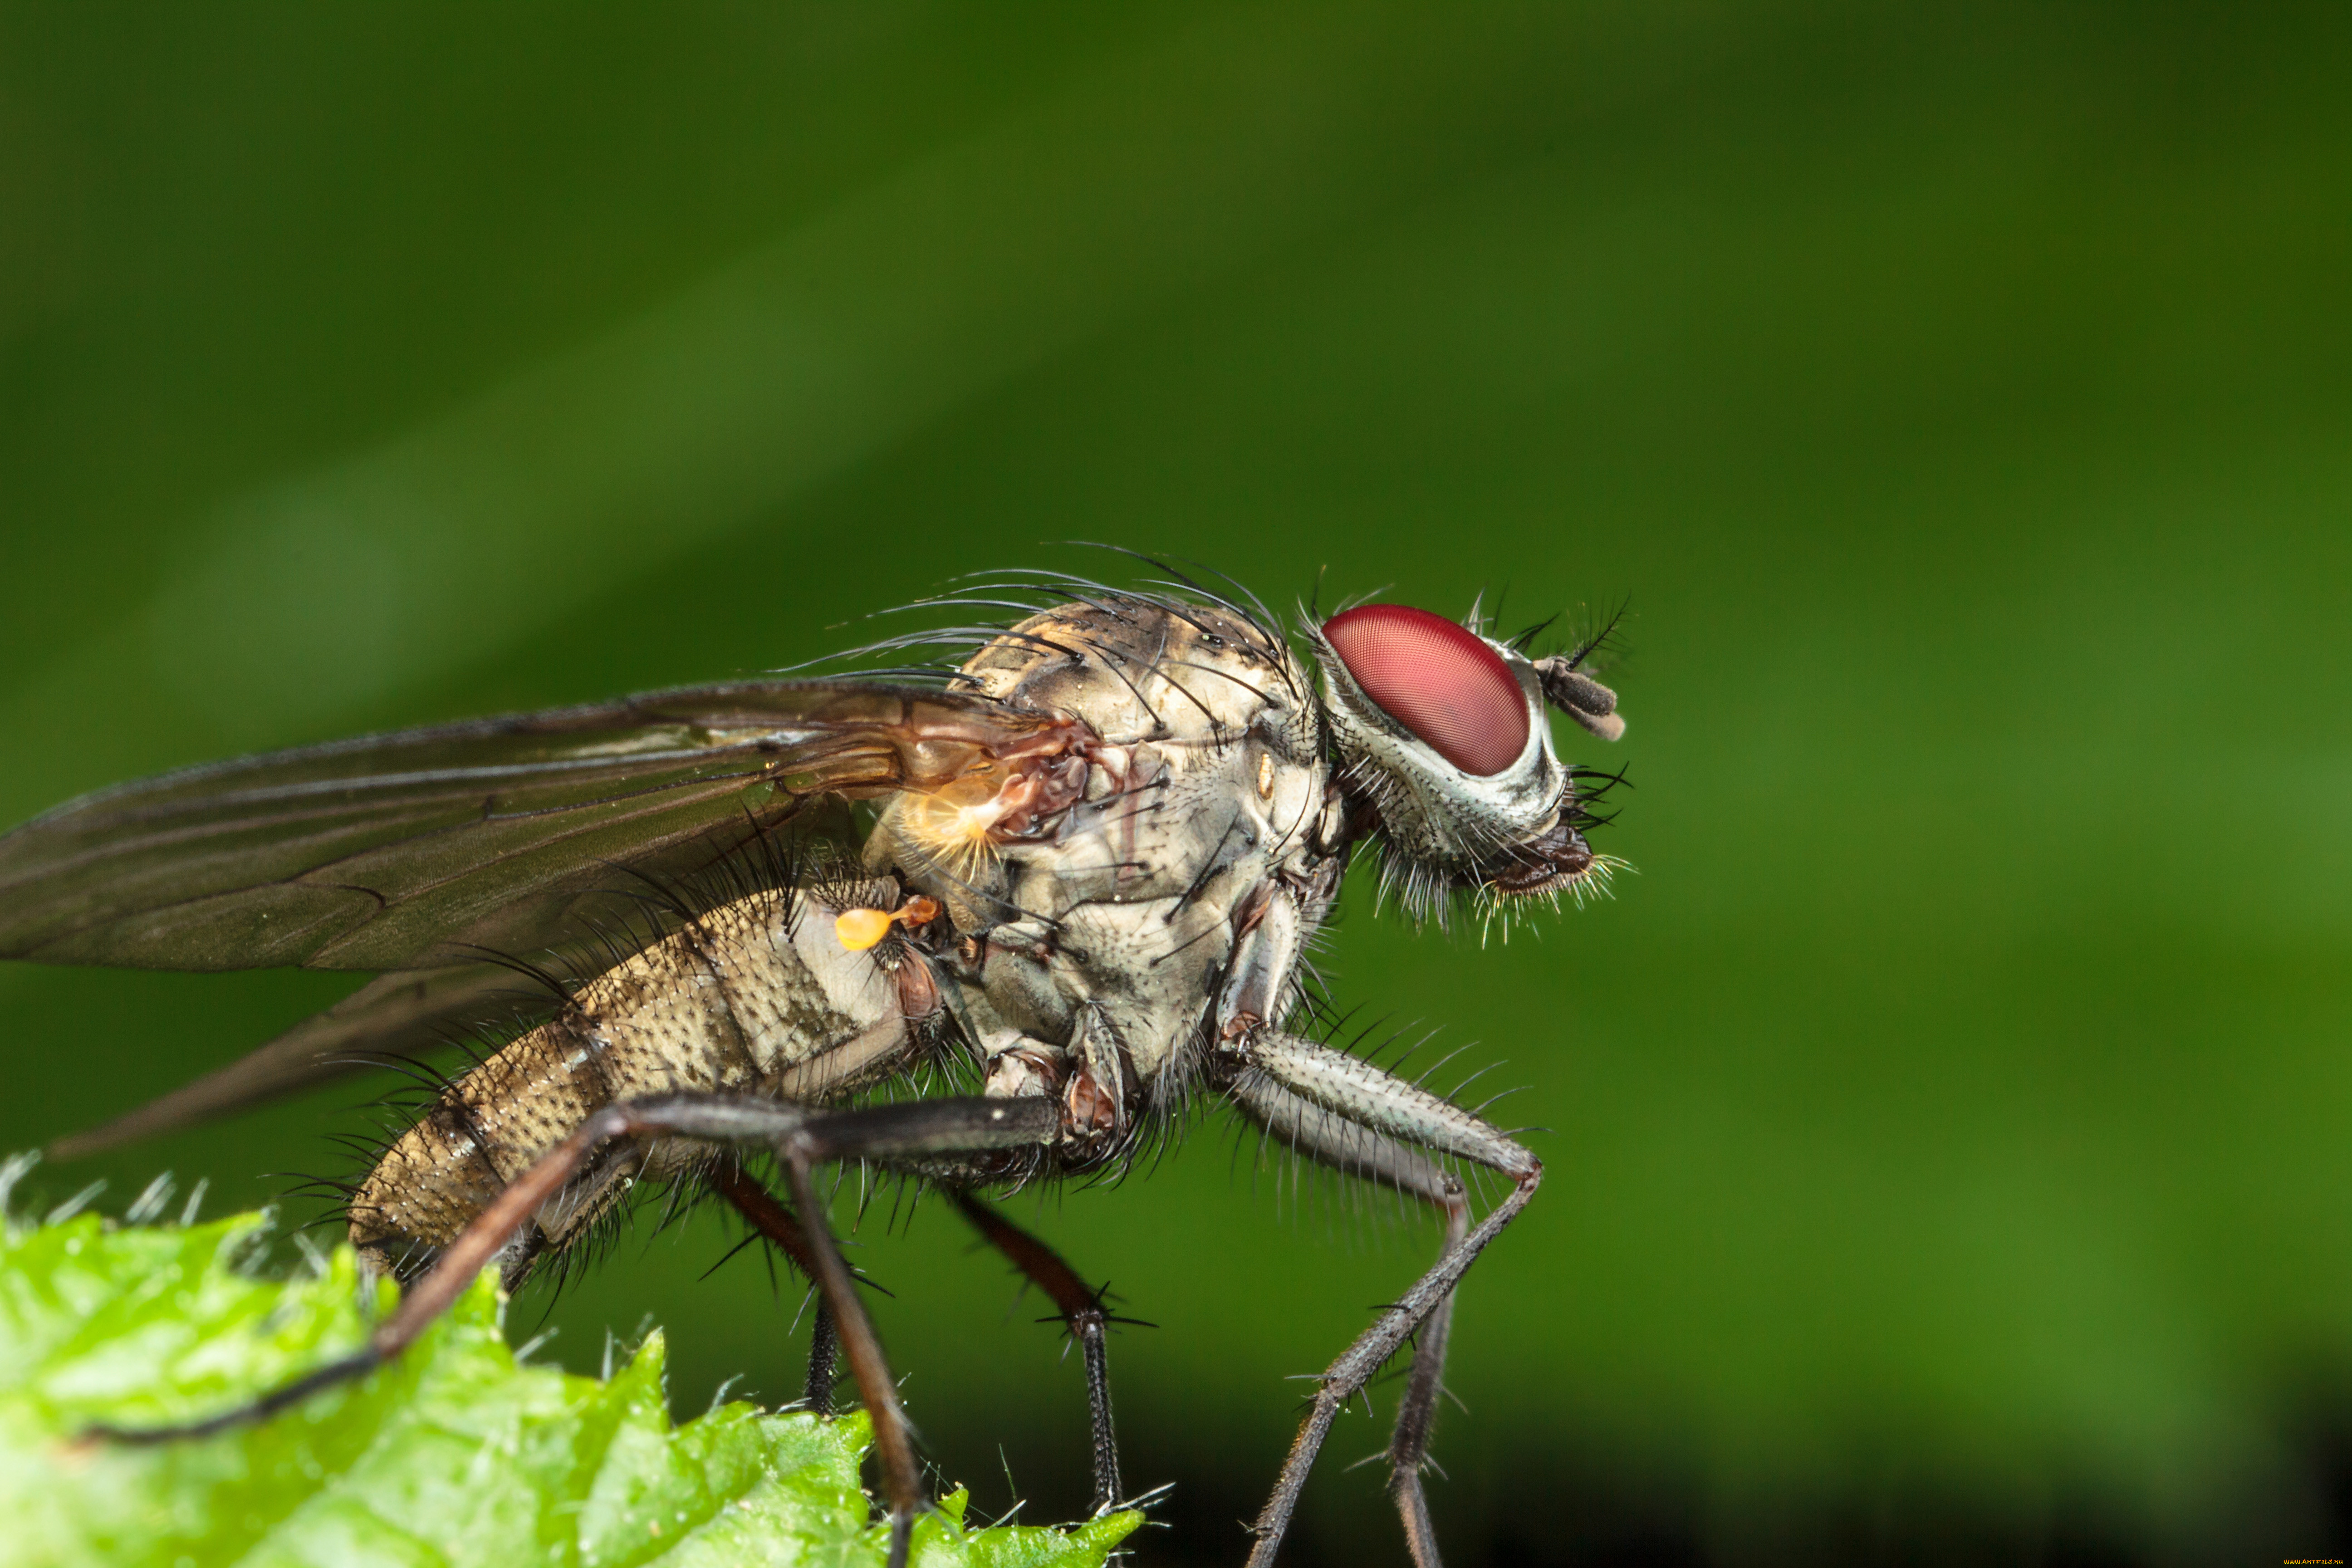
x=1948, y=1127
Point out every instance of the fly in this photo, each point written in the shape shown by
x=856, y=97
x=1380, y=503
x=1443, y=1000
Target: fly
x=1081, y=867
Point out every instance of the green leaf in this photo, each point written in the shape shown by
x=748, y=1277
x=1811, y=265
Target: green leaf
x=453, y=1455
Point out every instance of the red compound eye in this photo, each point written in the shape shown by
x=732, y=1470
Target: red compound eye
x=1438, y=681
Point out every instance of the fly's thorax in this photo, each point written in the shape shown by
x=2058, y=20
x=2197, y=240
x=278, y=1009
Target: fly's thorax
x=1210, y=750
x=1141, y=670
x=1145, y=888
x=1149, y=972
x=1113, y=919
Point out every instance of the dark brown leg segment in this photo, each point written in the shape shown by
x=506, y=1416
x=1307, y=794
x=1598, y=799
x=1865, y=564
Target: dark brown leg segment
x=804, y=1139
x=919, y=1128
x=780, y=1225
x=824, y=1364
x=1082, y=1310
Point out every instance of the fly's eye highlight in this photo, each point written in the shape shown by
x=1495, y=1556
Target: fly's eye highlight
x=1438, y=681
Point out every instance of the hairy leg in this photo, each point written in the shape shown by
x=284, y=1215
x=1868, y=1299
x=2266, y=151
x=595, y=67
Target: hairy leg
x=1317, y=1134
x=804, y=1138
x=910, y=1131
x=1355, y=1094
x=1082, y=1310
x=782, y=1227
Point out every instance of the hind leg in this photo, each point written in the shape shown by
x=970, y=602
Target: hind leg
x=804, y=1139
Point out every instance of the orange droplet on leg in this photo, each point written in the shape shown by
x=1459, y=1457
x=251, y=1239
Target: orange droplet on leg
x=861, y=929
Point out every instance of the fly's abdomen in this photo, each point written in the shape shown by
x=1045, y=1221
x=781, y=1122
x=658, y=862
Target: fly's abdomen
x=758, y=996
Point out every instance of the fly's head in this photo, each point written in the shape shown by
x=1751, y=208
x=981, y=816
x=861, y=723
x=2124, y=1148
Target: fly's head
x=1443, y=733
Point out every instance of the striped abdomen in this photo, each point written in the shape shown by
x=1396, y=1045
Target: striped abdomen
x=758, y=996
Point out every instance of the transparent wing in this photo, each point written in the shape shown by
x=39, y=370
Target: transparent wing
x=422, y=849
x=409, y=1014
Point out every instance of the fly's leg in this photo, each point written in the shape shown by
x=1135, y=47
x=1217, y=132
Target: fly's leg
x=803, y=1139
x=1408, y=1453
x=1356, y=1094
x=1082, y=1310
x=914, y=1130
x=823, y=1364
x=780, y=1226
x=1354, y=1150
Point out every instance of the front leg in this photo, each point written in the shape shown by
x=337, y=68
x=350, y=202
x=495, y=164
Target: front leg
x=1357, y=1151
x=1282, y=1070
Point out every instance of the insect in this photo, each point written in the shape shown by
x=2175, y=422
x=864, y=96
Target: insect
x=1081, y=867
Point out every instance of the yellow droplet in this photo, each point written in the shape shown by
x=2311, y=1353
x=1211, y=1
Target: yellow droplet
x=861, y=929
